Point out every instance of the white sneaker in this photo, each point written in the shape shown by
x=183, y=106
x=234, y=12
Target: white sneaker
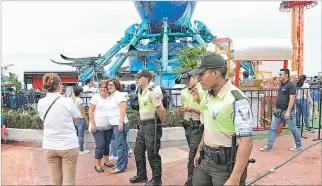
x=83, y=152
x=130, y=153
x=113, y=158
x=266, y=148
x=294, y=148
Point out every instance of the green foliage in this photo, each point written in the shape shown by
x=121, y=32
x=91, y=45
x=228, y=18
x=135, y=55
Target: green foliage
x=188, y=57
x=172, y=118
x=29, y=119
x=21, y=120
x=13, y=79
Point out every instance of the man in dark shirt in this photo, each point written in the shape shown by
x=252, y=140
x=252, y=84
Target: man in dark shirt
x=284, y=111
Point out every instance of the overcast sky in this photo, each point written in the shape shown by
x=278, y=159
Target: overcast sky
x=35, y=31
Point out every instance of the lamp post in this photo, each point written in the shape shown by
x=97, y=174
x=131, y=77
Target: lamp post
x=5, y=68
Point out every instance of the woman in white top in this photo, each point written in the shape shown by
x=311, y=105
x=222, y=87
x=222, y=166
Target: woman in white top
x=117, y=105
x=60, y=142
x=303, y=100
x=100, y=127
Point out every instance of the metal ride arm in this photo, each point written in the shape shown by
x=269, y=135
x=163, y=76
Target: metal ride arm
x=90, y=72
x=245, y=66
x=185, y=23
x=165, y=46
x=119, y=62
x=204, y=32
x=196, y=36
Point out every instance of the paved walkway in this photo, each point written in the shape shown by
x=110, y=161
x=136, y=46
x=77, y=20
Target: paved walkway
x=26, y=166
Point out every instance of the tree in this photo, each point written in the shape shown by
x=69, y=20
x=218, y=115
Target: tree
x=188, y=57
x=13, y=79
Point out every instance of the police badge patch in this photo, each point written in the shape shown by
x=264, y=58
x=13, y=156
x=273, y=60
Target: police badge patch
x=214, y=115
x=184, y=76
x=198, y=62
x=243, y=118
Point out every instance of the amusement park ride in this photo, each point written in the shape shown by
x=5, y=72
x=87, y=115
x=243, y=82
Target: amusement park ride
x=165, y=30
x=297, y=8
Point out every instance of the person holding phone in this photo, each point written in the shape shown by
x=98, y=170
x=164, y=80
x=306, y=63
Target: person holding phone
x=80, y=125
x=60, y=142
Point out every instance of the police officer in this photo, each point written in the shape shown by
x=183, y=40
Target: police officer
x=190, y=100
x=227, y=112
x=150, y=103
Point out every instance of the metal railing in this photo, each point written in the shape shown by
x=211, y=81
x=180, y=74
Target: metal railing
x=262, y=103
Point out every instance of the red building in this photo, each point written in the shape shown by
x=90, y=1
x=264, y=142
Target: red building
x=34, y=79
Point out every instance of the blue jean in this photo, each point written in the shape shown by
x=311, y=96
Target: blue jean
x=302, y=109
x=102, y=141
x=114, y=145
x=80, y=130
x=291, y=124
x=122, y=147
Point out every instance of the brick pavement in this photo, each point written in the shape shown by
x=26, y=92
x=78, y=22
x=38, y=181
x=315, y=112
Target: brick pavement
x=26, y=166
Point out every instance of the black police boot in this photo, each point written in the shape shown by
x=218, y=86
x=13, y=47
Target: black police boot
x=153, y=183
x=137, y=179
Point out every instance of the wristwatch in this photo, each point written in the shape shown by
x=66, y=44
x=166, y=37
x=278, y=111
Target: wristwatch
x=191, y=110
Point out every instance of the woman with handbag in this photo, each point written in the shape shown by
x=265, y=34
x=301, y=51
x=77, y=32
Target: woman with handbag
x=60, y=141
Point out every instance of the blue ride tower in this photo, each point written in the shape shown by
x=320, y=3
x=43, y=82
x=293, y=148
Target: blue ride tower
x=166, y=28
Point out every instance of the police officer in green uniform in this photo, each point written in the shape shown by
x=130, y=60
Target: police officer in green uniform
x=190, y=99
x=227, y=112
x=151, y=108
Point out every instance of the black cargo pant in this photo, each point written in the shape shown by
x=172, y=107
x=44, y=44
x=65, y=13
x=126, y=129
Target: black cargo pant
x=210, y=173
x=193, y=136
x=145, y=142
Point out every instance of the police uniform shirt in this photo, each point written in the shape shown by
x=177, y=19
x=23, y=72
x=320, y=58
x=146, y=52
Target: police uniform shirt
x=148, y=96
x=156, y=88
x=225, y=116
x=187, y=100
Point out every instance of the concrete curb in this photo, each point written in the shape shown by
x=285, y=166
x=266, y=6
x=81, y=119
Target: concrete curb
x=171, y=137
x=169, y=134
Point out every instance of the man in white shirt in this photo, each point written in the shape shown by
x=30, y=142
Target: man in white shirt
x=89, y=86
x=176, y=97
x=88, y=91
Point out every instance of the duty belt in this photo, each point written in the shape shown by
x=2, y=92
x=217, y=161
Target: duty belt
x=147, y=122
x=191, y=123
x=220, y=155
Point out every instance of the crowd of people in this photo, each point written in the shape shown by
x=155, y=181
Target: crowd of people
x=213, y=109
x=64, y=120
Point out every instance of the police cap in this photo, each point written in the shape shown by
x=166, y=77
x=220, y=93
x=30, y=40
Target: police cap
x=143, y=73
x=209, y=60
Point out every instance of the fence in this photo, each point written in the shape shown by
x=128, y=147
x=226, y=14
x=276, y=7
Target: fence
x=262, y=104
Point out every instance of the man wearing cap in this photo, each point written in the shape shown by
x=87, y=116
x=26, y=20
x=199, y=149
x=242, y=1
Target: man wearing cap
x=190, y=100
x=227, y=112
x=150, y=103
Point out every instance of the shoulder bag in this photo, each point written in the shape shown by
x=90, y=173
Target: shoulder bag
x=50, y=108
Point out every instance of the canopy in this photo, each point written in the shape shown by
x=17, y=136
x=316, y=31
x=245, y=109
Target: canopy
x=262, y=49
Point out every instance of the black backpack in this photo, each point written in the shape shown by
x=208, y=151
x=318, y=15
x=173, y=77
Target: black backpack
x=134, y=100
x=166, y=97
